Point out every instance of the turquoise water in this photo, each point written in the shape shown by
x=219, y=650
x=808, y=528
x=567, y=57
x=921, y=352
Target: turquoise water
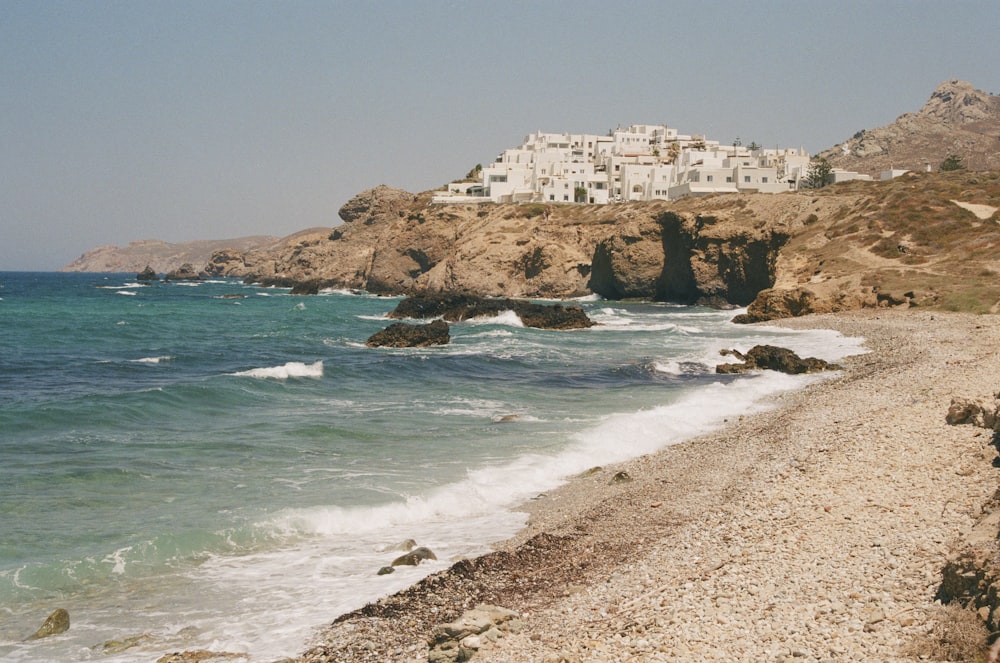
x=196, y=470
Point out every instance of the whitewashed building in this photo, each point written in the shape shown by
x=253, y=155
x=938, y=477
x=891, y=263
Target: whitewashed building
x=638, y=163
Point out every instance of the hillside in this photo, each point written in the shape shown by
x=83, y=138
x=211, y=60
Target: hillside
x=957, y=119
x=161, y=256
x=925, y=239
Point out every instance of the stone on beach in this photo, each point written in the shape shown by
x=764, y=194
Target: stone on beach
x=770, y=357
x=414, y=557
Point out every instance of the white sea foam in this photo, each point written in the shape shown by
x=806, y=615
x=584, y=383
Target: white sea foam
x=508, y=318
x=125, y=292
x=152, y=360
x=293, y=369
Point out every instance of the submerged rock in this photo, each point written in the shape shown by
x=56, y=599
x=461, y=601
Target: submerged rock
x=57, y=622
x=404, y=335
x=770, y=357
x=456, y=307
x=414, y=557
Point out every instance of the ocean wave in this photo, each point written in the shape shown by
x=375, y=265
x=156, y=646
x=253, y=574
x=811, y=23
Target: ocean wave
x=152, y=360
x=125, y=292
x=293, y=369
x=508, y=318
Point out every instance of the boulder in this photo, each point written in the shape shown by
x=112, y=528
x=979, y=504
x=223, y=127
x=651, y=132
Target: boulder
x=770, y=357
x=414, y=557
x=976, y=413
x=456, y=307
x=310, y=287
x=185, y=272
x=57, y=622
x=404, y=335
x=147, y=275
x=461, y=639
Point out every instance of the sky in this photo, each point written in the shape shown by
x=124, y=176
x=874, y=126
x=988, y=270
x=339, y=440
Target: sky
x=209, y=119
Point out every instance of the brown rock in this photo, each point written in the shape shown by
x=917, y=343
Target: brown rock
x=57, y=622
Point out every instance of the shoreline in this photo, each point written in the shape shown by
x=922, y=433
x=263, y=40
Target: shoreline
x=814, y=530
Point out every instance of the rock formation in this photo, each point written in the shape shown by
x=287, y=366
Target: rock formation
x=957, y=119
x=185, y=272
x=773, y=358
x=403, y=335
x=461, y=639
x=147, y=274
x=456, y=307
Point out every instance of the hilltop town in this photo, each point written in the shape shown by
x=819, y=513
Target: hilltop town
x=641, y=162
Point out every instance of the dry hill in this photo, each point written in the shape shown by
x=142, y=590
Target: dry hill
x=958, y=119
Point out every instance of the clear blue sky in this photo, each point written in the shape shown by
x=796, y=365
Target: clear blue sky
x=182, y=120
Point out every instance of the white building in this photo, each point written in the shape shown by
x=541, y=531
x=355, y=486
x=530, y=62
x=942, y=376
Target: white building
x=639, y=163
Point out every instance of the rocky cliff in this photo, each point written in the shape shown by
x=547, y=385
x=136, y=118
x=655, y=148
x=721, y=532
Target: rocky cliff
x=957, y=119
x=925, y=239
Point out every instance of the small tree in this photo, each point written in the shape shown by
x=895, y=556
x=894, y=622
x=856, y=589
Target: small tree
x=819, y=174
x=952, y=162
x=474, y=174
x=579, y=194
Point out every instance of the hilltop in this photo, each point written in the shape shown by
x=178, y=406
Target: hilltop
x=957, y=119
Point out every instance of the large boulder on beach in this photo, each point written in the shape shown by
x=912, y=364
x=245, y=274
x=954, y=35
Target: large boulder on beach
x=57, y=622
x=405, y=335
x=773, y=358
x=456, y=307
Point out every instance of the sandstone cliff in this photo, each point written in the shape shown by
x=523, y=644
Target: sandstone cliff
x=958, y=119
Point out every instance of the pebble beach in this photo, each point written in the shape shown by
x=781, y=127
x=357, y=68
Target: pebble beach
x=814, y=531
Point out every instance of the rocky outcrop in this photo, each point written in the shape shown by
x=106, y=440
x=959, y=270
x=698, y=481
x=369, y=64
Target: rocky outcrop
x=957, y=119
x=456, y=307
x=404, y=335
x=709, y=259
x=185, y=272
x=57, y=622
x=147, y=274
x=773, y=358
x=377, y=204
x=975, y=412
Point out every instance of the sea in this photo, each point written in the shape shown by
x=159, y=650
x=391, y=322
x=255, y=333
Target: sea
x=216, y=465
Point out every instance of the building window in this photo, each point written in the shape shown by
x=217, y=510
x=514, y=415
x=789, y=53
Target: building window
x=729, y=179
x=764, y=180
x=746, y=178
x=551, y=197
x=709, y=178
x=565, y=197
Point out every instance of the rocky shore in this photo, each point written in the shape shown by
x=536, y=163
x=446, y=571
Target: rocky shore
x=816, y=531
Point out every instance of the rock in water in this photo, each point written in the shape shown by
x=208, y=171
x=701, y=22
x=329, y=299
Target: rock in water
x=770, y=357
x=404, y=335
x=147, y=275
x=58, y=622
x=185, y=272
x=456, y=307
x=414, y=557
